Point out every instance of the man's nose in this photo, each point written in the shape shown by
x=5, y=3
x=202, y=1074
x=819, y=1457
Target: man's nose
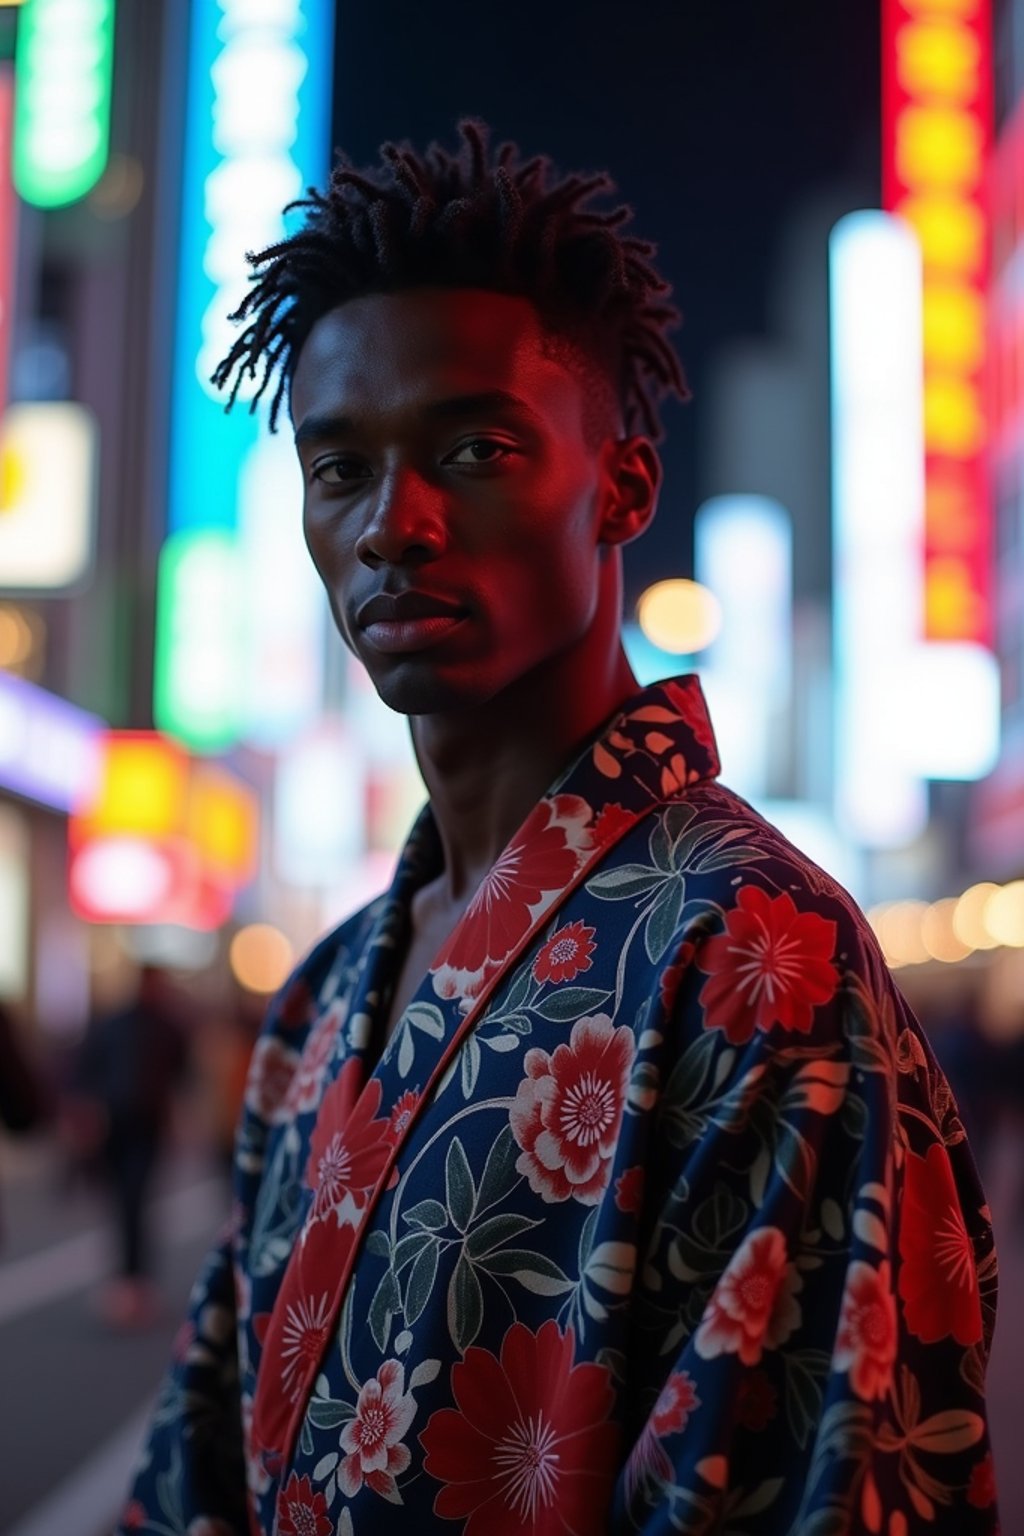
x=407, y=524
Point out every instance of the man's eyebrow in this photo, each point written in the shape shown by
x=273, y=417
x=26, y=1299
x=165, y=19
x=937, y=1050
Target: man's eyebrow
x=497, y=400
x=317, y=429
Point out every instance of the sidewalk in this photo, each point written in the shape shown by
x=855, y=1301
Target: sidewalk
x=75, y=1394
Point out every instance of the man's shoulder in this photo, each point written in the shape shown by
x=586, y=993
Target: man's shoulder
x=725, y=851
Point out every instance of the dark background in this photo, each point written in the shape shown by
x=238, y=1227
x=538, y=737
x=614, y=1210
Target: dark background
x=716, y=118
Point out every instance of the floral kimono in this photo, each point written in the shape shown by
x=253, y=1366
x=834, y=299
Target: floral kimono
x=655, y=1215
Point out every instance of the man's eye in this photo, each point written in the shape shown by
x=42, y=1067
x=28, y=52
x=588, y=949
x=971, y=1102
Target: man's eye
x=339, y=471
x=481, y=450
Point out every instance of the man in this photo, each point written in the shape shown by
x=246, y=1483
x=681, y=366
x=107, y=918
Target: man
x=131, y=1062
x=596, y=1177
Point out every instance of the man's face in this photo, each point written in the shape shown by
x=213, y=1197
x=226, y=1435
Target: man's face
x=452, y=506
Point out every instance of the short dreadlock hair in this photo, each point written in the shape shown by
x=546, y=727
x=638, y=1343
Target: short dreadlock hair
x=470, y=220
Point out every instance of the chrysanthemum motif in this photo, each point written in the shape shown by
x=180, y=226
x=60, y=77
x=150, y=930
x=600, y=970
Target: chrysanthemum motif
x=565, y=954
x=530, y=1448
x=302, y=1341
x=773, y=965
x=568, y=1110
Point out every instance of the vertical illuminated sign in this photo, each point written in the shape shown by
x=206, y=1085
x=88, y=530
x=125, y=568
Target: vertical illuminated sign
x=1007, y=296
x=937, y=139
x=878, y=520
x=257, y=134
x=743, y=552
x=8, y=224
x=63, y=63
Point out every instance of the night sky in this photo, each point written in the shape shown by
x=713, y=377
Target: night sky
x=715, y=118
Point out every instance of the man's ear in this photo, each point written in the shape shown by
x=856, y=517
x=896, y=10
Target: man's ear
x=633, y=475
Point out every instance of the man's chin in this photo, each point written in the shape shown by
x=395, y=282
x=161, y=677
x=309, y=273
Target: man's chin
x=412, y=690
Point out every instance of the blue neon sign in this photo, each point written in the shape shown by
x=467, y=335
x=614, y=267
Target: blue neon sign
x=258, y=133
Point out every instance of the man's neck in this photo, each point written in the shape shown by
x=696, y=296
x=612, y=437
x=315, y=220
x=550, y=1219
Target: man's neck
x=486, y=769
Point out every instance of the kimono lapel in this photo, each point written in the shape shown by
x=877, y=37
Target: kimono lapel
x=658, y=745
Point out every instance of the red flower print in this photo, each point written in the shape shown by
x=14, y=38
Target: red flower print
x=938, y=1282
x=297, y=1005
x=568, y=1109
x=401, y=1115
x=134, y=1516
x=565, y=954
x=672, y=976
x=648, y=1463
x=300, y=1511
x=348, y=1148
x=373, y=1440
x=611, y=821
x=981, y=1490
x=772, y=965
x=866, y=1337
x=676, y=775
x=629, y=1190
x=677, y=1401
x=688, y=704
x=753, y=1307
x=271, y=1070
x=539, y=862
x=757, y=1401
x=303, y=1338
x=529, y=1449
x=307, y=1084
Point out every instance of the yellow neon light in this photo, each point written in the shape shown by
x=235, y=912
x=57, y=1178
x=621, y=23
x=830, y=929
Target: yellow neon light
x=143, y=788
x=939, y=147
x=952, y=607
x=950, y=229
x=954, y=327
x=938, y=58
x=222, y=823
x=953, y=419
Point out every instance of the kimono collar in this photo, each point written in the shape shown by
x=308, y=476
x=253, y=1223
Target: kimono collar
x=658, y=744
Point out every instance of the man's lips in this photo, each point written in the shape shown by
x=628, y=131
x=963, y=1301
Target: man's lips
x=408, y=621
x=400, y=607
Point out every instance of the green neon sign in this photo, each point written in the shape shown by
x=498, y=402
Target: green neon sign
x=198, y=666
x=63, y=67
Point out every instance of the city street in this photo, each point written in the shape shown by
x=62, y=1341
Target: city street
x=76, y=1395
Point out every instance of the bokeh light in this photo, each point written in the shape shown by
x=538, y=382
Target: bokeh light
x=938, y=932
x=969, y=916
x=1004, y=915
x=898, y=927
x=679, y=616
x=260, y=957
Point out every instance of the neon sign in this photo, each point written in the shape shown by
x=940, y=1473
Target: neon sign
x=63, y=63
x=937, y=140
x=257, y=135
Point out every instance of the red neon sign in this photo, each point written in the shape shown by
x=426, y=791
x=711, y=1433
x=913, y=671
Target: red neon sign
x=937, y=136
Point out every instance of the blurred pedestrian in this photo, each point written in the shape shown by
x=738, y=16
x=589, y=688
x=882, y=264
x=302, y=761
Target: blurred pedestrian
x=129, y=1065
x=24, y=1102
